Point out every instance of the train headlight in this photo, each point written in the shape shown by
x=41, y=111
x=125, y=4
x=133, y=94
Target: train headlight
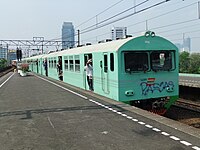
x=153, y=34
x=170, y=89
x=129, y=93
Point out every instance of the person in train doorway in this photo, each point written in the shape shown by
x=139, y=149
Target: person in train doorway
x=89, y=72
x=45, y=67
x=59, y=69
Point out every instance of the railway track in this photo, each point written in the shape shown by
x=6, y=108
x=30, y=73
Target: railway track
x=185, y=111
x=188, y=104
x=2, y=73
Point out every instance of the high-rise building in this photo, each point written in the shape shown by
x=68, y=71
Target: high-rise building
x=12, y=55
x=3, y=52
x=68, y=35
x=187, y=44
x=118, y=32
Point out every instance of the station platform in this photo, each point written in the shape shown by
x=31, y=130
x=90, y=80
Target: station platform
x=190, y=80
x=39, y=113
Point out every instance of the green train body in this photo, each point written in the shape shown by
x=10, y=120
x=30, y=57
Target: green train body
x=141, y=71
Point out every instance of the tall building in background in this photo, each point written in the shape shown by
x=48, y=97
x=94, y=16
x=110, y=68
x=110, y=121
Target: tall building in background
x=118, y=32
x=68, y=35
x=3, y=52
x=12, y=55
x=187, y=44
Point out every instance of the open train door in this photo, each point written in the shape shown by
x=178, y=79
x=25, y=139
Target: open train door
x=37, y=65
x=86, y=58
x=104, y=73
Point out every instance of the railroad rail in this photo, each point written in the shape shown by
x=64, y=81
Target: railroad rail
x=188, y=104
x=2, y=73
x=185, y=111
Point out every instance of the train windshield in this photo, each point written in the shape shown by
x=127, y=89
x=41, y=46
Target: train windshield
x=136, y=61
x=162, y=60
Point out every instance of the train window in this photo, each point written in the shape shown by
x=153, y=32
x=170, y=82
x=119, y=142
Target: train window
x=49, y=64
x=66, y=63
x=162, y=60
x=71, y=63
x=54, y=63
x=136, y=61
x=77, y=63
x=105, y=63
x=112, y=62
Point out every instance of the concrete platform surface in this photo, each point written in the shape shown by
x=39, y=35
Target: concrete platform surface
x=39, y=113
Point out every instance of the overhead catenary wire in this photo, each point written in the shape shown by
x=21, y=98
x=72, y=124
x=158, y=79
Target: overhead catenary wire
x=169, y=12
x=116, y=15
x=107, y=18
x=124, y=17
x=131, y=15
x=94, y=17
x=99, y=13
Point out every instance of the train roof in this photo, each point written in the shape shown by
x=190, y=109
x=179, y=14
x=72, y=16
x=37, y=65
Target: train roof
x=113, y=46
x=101, y=47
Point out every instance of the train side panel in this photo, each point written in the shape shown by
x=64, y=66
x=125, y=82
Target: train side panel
x=106, y=74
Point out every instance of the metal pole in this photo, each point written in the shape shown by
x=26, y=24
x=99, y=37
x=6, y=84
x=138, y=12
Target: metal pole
x=78, y=37
x=96, y=21
x=183, y=42
x=146, y=25
x=42, y=47
x=134, y=6
x=7, y=54
x=199, y=9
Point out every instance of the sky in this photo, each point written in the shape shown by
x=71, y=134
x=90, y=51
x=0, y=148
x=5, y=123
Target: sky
x=25, y=19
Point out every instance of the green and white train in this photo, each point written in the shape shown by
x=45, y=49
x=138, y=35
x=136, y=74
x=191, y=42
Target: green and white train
x=141, y=71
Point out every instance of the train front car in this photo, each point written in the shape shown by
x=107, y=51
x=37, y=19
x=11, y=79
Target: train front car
x=148, y=73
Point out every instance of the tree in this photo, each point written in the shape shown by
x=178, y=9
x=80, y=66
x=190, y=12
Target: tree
x=194, y=66
x=184, y=62
x=2, y=63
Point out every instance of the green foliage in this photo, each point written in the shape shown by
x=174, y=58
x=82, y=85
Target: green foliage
x=194, y=63
x=184, y=62
x=2, y=63
x=189, y=63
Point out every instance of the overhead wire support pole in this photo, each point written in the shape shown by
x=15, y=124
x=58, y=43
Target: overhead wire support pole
x=147, y=25
x=199, y=9
x=78, y=37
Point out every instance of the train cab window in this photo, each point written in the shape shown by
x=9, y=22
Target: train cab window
x=111, y=62
x=136, y=61
x=162, y=60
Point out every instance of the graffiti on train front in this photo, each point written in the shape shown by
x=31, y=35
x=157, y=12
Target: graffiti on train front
x=152, y=87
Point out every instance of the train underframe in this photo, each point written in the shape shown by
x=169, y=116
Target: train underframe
x=155, y=105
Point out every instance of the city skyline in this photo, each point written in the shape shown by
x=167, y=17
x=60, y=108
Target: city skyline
x=27, y=19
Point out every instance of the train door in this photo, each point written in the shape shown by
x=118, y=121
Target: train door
x=85, y=82
x=32, y=65
x=105, y=73
x=37, y=63
x=60, y=68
